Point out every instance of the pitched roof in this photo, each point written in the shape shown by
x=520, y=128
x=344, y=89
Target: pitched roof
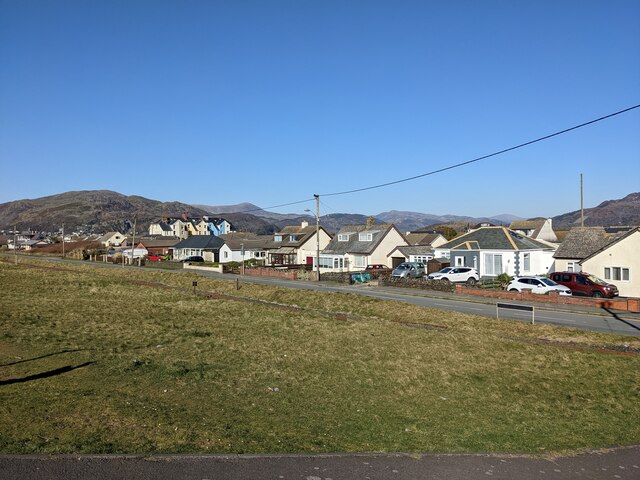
x=527, y=224
x=494, y=238
x=581, y=242
x=200, y=241
x=354, y=244
x=612, y=241
x=250, y=241
x=415, y=250
x=421, y=238
x=303, y=233
x=159, y=242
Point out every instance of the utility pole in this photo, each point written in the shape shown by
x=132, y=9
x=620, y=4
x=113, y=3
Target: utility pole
x=15, y=243
x=581, y=204
x=317, y=234
x=63, y=240
x=133, y=238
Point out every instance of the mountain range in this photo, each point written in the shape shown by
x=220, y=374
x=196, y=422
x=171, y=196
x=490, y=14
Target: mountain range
x=98, y=211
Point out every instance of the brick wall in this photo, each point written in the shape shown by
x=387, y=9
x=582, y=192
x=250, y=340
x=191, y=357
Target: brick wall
x=625, y=304
x=271, y=272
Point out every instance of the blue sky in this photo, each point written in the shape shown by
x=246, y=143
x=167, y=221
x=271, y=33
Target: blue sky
x=269, y=102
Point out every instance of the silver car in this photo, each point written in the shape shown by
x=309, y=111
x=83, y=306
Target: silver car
x=409, y=270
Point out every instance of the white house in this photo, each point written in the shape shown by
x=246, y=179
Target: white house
x=297, y=245
x=496, y=250
x=356, y=246
x=539, y=229
x=112, y=239
x=241, y=246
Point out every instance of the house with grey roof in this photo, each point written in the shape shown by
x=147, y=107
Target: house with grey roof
x=420, y=249
x=205, y=246
x=241, y=246
x=496, y=250
x=614, y=257
x=356, y=246
x=618, y=262
x=297, y=245
x=579, y=243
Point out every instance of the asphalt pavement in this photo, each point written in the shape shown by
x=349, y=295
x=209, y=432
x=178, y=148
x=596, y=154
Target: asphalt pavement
x=622, y=463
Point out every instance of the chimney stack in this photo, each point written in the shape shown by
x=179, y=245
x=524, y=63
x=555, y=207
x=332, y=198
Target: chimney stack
x=371, y=221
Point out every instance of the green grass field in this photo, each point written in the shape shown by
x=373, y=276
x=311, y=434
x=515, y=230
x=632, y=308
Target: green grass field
x=116, y=360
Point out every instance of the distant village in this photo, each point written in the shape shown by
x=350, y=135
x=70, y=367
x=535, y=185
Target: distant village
x=529, y=247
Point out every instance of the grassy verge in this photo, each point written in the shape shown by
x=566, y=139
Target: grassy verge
x=115, y=360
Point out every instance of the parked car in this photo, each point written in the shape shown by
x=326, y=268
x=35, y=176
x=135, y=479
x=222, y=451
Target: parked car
x=456, y=274
x=537, y=284
x=195, y=259
x=582, y=283
x=409, y=270
x=155, y=258
x=377, y=266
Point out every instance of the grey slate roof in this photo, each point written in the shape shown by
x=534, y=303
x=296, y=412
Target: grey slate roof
x=354, y=245
x=415, y=250
x=581, y=242
x=251, y=241
x=421, y=238
x=207, y=242
x=494, y=238
x=614, y=239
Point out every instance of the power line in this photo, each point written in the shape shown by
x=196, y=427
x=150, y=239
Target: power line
x=450, y=167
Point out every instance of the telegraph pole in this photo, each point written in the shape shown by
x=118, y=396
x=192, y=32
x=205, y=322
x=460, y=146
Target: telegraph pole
x=317, y=234
x=581, y=204
x=133, y=238
x=63, y=240
x=15, y=243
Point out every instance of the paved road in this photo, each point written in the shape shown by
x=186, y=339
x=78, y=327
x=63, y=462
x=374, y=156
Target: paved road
x=587, y=318
x=576, y=316
x=622, y=463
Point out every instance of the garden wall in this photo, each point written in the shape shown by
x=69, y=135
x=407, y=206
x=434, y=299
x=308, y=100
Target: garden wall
x=624, y=304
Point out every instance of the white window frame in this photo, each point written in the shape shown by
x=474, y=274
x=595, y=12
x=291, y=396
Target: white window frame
x=490, y=264
x=343, y=237
x=359, y=261
x=459, y=261
x=526, y=262
x=365, y=237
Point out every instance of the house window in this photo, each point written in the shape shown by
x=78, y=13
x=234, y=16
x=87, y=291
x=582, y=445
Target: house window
x=326, y=262
x=365, y=237
x=459, y=261
x=293, y=238
x=571, y=266
x=493, y=264
x=226, y=254
x=360, y=261
x=621, y=274
x=527, y=262
x=343, y=237
x=277, y=238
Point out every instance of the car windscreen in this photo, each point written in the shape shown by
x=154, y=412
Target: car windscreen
x=549, y=282
x=597, y=280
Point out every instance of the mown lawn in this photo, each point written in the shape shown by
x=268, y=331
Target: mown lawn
x=268, y=370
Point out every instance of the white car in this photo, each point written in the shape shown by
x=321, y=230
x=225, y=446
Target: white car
x=537, y=284
x=456, y=274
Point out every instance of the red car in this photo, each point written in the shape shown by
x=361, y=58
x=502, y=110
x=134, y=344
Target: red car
x=155, y=258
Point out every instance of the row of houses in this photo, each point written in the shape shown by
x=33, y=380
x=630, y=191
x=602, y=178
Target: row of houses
x=526, y=248
x=184, y=226
x=491, y=250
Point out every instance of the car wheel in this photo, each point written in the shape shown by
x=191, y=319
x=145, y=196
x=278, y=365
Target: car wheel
x=513, y=290
x=597, y=294
x=471, y=281
x=444, y=279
